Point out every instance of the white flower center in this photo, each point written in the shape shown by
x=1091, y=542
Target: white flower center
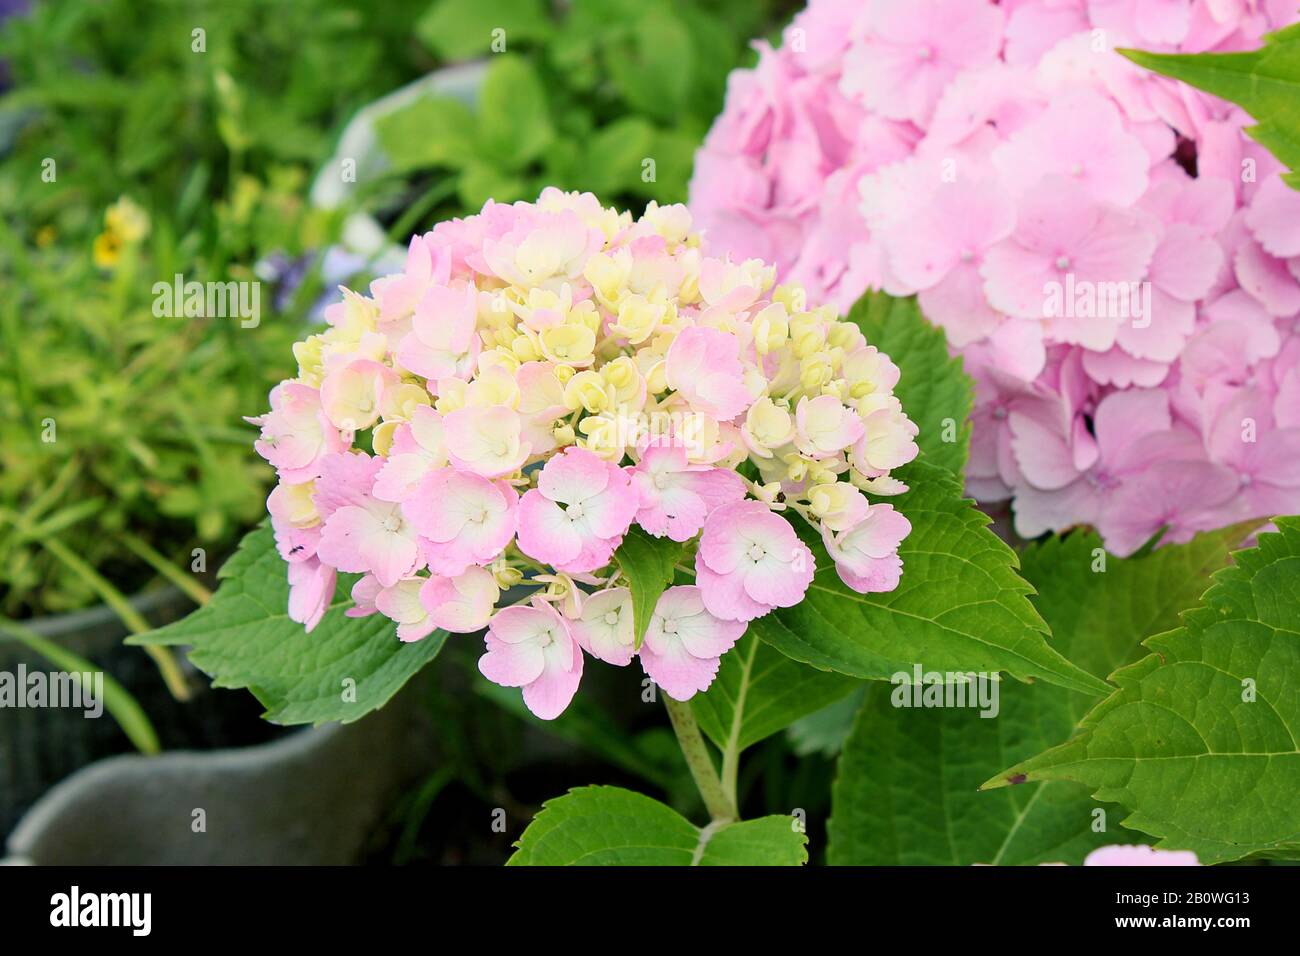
x=669, y=626
x=756, y=552
x=545, y=639
x=574, y=511
x=611, y=618
x=661, y=480
x=1063, y=263
x=393, y=523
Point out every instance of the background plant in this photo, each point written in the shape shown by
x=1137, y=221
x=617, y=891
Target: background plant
x=578, y=96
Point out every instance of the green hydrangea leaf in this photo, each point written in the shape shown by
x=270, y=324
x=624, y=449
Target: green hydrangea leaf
x=610, y=826
x=1199, y=743
x=429, y=131
x=345, y=668
x=649, y=564
x=759, y=691
x=960, y=606
x=906, y=789
x=514, y=120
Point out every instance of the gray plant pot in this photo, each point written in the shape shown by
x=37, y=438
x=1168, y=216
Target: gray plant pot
x=314, y=797
x=39, y=747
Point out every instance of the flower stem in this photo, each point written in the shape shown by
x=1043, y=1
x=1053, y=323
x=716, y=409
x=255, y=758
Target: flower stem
x=134, y=621
x=721, y=807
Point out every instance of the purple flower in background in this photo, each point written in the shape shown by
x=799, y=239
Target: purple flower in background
x=9, y=8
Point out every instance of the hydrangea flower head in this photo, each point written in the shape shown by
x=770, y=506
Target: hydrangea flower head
x=1080, y=229
x=545, y=379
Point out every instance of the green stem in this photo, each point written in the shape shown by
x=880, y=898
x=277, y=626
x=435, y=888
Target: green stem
x=731, y=753
x=146, y=553
x=128, y=713
x=415, y=213
x=135, y=623
x=721, y=808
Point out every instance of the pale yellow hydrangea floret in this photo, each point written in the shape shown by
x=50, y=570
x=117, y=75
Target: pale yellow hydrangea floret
x=300, y=506
x=816, y=370
x=639, y=317
x=608, y=274
x=768, y=426
x=381, y=439
x=400, y=403
x=587, y=390
x=672, y=222
x=494, y=385
x=625, y=382
x=572, y=345
x=771, y=328
x=604, y=435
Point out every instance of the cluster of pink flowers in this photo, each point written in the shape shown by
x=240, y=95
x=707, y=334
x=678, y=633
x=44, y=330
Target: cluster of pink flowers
x=540, y=378
x=1117, y=263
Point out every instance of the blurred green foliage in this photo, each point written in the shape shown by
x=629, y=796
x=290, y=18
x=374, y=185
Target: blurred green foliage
x=113, y=420
x=607, y=96
x=119, y=95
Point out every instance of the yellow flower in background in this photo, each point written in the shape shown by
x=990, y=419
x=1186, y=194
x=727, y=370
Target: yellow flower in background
x=125, y=224
x=107, y=249
x=127, y=219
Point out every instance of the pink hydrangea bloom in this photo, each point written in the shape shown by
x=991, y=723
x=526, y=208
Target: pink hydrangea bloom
x=540, y=376
x=462, y=518
x=1139, y=855
x=352, y=393
x=750, y=561
x=401, y=603
x=462, y=604
x=418, y=448
x=428, y=264
x=1080, y=228
x=442, y=343
x=487, y=440
x=296, y=434
x=532, y=647
x=674, y=496
x=866, y=553
x=364, y=534
x=704, y=366
x=604, y=627
x=578, y=513
x=311, y=588
x=685, y=642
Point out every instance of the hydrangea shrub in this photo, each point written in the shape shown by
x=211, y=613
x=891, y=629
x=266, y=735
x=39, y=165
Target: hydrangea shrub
x=588, y=436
